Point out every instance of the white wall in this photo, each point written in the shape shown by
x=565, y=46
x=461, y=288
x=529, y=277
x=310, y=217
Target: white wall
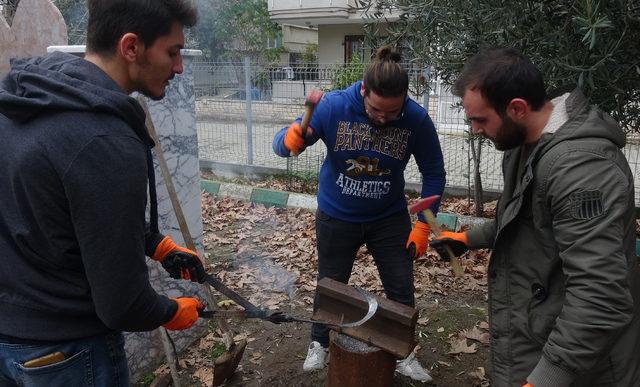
x=298, y=36
x=331, y=41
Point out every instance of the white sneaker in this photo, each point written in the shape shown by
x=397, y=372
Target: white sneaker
x=411, y=368
x=316, y=357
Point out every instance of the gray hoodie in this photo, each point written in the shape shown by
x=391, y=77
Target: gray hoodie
x=75, y=157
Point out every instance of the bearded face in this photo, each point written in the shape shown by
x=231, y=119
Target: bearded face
x=485, y=121
x=509, y=135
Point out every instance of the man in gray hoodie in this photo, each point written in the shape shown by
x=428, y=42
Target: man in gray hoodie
x=76, y=165
x=564, y=280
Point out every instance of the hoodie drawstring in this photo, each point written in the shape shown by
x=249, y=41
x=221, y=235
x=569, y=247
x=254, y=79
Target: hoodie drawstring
x=153, y=197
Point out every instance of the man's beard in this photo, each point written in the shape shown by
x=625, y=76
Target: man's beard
x=510, y=135
x=376, y=125
x=372, y=122
x=141, y=86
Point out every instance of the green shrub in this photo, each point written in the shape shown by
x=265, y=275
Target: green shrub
x=347, y=74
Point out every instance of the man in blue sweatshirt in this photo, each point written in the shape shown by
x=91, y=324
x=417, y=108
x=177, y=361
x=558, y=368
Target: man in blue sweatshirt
x=76, y=165
x=371, y=129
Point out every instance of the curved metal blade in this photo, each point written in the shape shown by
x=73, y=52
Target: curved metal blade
x=373, y=307
x=372, y=303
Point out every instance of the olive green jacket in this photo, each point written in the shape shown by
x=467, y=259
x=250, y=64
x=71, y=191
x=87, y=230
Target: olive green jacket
x=564, y=279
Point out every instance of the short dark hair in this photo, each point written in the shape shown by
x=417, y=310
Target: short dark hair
x=149, y=19
x=385, y=75
x=502, y=74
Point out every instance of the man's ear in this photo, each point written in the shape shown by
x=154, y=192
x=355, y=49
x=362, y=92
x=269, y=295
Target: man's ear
x=130, y=47
x=362, y=89
x=517, y=109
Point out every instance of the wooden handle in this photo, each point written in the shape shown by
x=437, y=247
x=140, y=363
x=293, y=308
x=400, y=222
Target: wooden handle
x=308, y=112
x=435, y=227
x=186, y=235
x=306, y=118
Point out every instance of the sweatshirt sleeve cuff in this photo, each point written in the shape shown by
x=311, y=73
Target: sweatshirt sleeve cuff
x=152, y=240
x=547, y=374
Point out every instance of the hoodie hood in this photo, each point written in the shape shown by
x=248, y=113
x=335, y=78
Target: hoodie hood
x=64, y=82
x=354, y=96
x=584, y=121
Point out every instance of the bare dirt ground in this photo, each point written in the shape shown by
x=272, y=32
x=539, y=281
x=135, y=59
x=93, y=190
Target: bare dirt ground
x=268, y=256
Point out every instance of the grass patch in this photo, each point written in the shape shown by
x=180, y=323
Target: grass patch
x=217, y=351
x=453, y=320
x=146, y=380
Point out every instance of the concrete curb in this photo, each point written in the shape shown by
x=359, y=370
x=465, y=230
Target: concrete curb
x=267, y=197
x=290, y=199
x=270, y=197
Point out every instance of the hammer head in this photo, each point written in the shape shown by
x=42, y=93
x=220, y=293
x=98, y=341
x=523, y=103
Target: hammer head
x=423, y=204
x=313, y=98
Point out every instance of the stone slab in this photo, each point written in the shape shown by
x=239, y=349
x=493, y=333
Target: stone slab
x=303, y=201
x=235, y=191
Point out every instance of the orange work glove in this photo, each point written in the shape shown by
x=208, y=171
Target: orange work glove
x=186, y=315
x=178, y=261
x=457, y=241
x=293, y=140
x=418, y=239
x=527, y=385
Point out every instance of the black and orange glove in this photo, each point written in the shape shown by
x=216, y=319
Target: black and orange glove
x=293, y=140
x=457, y=242
x=418, y=239
x=178, y=261
x=186, y=315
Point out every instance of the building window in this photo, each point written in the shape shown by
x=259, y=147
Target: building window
x=274, y=42
x=353, y=45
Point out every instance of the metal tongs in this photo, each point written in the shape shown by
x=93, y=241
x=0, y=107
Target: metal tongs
x=276, y=317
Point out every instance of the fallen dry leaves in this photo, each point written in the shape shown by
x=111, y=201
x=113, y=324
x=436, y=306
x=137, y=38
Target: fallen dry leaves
x=481, y=375
x=272, y=256
x=464, y=206
x=199, y=357
x=459, y=345
x=476, y=334
x=268, y=255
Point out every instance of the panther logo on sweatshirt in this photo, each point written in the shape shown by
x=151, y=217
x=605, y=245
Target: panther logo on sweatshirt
x=365, y=166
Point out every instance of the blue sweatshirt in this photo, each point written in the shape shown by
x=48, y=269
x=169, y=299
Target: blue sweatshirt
x=362, y=177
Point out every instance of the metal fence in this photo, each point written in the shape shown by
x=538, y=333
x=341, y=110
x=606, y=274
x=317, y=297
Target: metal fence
x=239, y=130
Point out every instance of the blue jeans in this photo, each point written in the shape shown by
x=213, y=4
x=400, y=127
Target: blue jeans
x=94, y=361
x=386, y=239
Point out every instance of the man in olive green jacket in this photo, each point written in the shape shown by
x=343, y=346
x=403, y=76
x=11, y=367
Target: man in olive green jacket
x=564, y=279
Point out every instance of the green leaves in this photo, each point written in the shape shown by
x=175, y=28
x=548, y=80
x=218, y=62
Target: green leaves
x=589, y=21
x=347, y=74
x=592, y=44
x=232, y=29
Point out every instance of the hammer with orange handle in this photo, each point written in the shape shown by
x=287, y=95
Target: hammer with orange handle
x=423, y=205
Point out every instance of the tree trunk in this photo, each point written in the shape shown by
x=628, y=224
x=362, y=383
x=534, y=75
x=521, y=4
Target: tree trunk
x=477, y=178
x=353, y=363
